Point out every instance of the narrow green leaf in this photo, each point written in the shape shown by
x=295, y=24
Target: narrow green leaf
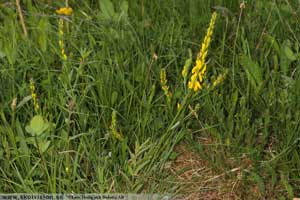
x=124, y=7
x=140, y=167
x=114, y=97
x=23, y=146
x=24, y=101
x=42, y=36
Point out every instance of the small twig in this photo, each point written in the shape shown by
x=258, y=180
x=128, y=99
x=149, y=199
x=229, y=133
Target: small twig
x=67, y=151
x=223, y=174
x=21, y=18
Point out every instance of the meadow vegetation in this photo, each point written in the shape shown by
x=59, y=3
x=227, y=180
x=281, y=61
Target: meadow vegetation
x=96, y=98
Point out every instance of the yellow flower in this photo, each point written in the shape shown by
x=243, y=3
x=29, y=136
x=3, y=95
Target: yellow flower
x=164, y=86
x=163, y=77
x=115, y=133
x=178, y=106
x=65, y=11
x=61, y=37
x=34, y=95
x=61, y=43
x=14, y=104
x=65, y=57
x=199, y=70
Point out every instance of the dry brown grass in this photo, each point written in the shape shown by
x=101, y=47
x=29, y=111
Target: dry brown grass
x=199, y=181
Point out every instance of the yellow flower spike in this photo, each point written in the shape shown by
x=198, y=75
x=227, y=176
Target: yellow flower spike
x=65, y=57
x=34, y=95
x=61, y=37
x=65, y=11
x=178, y=106
x=199, y=70
x=163, y=77
x=164, y=86
x=61, y=43
x=114, y=131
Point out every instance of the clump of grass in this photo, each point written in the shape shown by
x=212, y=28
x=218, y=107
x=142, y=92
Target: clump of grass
x=243, y=116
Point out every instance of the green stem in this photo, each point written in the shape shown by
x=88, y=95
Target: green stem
x=43, y=159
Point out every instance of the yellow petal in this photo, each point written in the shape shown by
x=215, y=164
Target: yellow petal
x=64, y=11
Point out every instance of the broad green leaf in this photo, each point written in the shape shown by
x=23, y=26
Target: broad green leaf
x=37, y=123
x=289, y=53
x=31, y=141
x=37, y=126
x=253, y=70
x=43, y=145
x=274, y=43
x=284, y=64
x=286, y=57
x=29, y=130
x=107, y=9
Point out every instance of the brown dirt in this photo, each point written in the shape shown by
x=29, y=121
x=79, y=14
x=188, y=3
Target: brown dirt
x=199, y=181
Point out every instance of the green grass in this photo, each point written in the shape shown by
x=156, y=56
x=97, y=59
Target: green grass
x=252, y=117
